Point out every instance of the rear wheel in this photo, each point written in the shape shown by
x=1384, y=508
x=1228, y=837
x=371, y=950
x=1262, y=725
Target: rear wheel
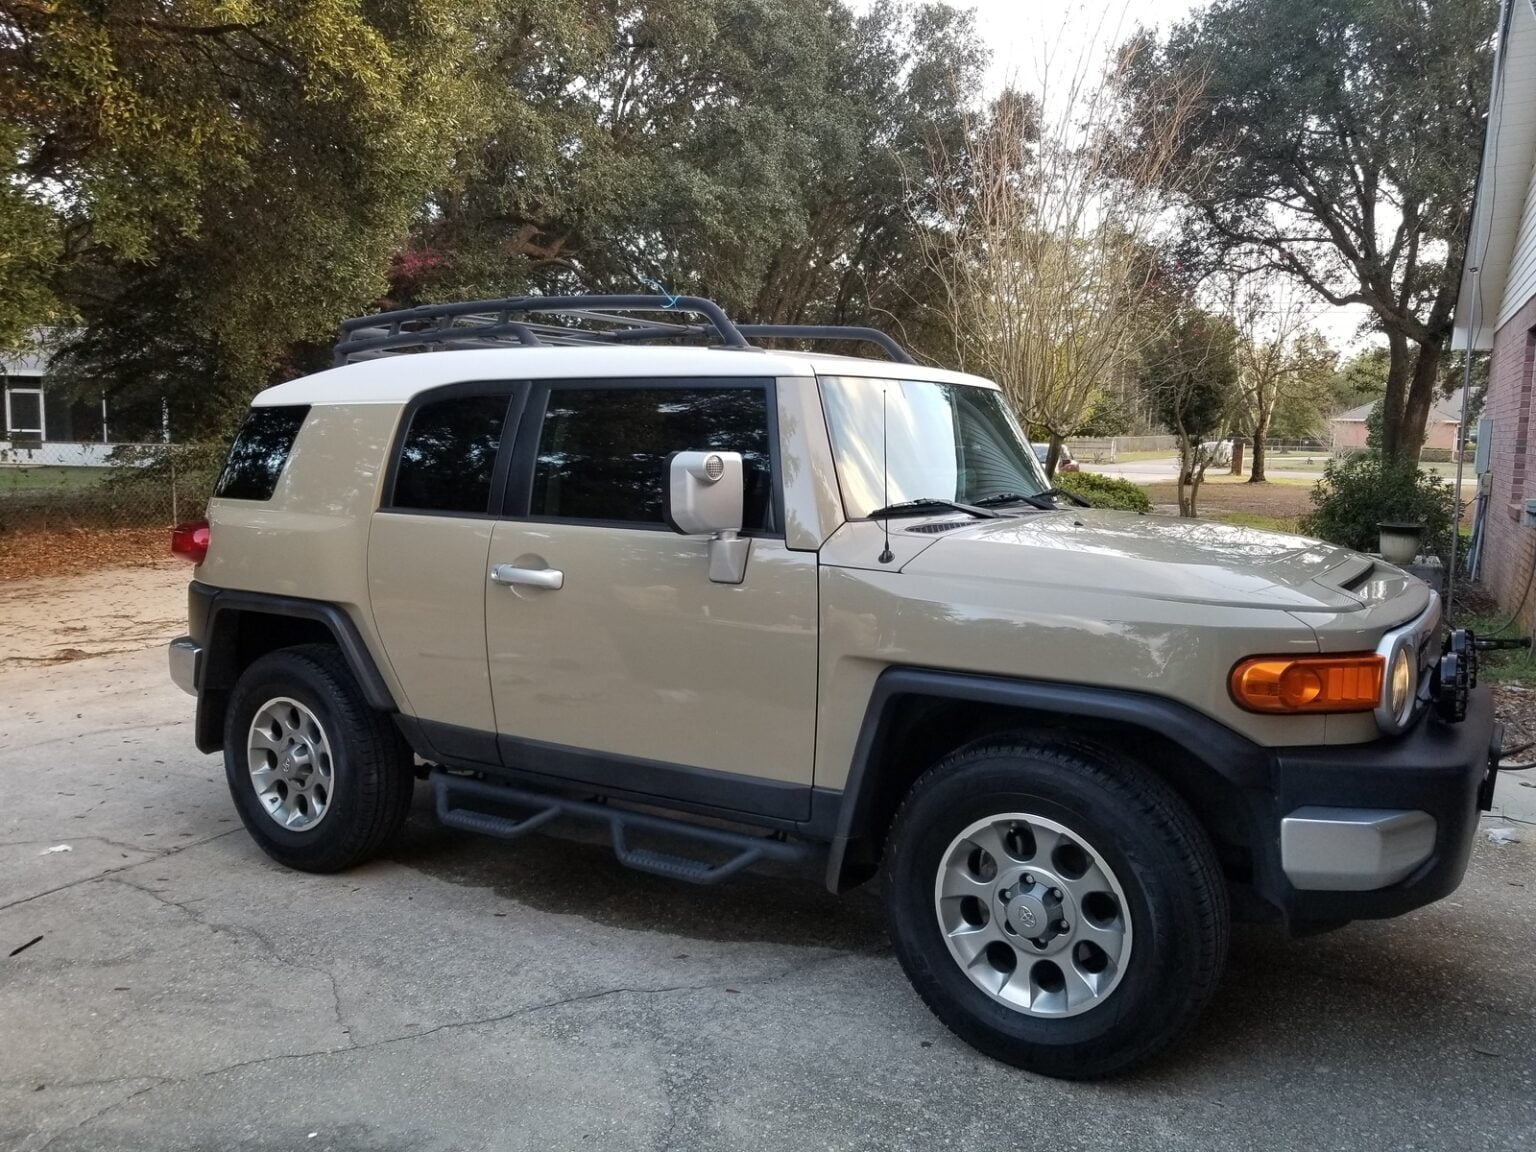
x=1058, y=908
x=321, y=780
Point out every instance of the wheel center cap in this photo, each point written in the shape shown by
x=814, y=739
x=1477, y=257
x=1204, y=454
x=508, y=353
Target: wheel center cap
x=1029, y=915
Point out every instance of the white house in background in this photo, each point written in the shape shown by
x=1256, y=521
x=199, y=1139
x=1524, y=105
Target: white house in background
x=41, y=426
x=1496, y=309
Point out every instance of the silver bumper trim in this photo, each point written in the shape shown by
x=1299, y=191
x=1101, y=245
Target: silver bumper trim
x=1353, y=849
x=186, y=658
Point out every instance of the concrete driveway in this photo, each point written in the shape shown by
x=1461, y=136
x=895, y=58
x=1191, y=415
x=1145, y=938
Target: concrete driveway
x=183, y=992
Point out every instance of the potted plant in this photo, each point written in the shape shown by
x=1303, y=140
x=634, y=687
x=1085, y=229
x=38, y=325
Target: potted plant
x=1400, y=540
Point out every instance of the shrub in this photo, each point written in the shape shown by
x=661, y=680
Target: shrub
x=1359, y=491
x=1105, y=491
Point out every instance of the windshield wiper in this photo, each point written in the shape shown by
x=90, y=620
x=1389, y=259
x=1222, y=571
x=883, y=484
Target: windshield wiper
x=1042, y=500
x=925, y=504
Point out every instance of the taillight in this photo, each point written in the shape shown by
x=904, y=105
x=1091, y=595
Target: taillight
x=1309, y=683
x=190, y=540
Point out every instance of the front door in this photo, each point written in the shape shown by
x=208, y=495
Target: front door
x=636, y=671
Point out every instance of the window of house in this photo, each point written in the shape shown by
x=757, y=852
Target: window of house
x=603, y=452
x=448, y=459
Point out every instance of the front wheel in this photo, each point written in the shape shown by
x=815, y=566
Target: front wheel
x=1057, y=908
x=321, y=780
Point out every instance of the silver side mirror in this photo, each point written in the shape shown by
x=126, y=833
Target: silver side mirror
x=705, y=494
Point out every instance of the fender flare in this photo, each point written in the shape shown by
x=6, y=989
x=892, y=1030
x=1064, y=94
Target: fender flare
x=1244, y=764
x=214, y=610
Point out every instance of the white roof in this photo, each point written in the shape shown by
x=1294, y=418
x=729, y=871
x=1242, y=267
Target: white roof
x=395, y=379
x=1504, y=181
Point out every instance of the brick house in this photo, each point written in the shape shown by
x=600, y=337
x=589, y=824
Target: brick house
x=1350, y=431
x=1496, y=311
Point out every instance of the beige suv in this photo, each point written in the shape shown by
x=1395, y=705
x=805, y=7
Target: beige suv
x=604, y=559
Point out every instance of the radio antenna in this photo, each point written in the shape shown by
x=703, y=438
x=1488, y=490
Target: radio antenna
x=885, y=466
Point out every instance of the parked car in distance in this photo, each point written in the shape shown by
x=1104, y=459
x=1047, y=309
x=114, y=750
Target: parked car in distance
x=1064, y=462
x=736, y=605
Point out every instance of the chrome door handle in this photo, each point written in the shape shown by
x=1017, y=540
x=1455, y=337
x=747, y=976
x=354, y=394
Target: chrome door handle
x=551, y=578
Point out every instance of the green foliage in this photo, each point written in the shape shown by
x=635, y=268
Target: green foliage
x=1358, y=492
x=1361, y=378
x=1111, y=415
x=1189, y=374
x=1105, y=491
x=1342, y=139
x=770, y=154
x=206, y=182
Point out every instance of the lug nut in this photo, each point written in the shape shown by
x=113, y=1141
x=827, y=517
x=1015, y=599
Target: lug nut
x=1056, y=892
x=1028, y=879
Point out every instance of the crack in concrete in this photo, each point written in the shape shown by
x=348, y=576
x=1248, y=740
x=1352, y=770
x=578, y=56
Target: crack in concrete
x=245, y=934
x=110, y=872
x=453, y=1026
x=160, y=1081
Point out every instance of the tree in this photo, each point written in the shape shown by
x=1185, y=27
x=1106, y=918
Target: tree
x=754, y=151
x=1045, y=242
x=1189, y=375
x=218, y=180
x=1343, y=138
x=1280, y=358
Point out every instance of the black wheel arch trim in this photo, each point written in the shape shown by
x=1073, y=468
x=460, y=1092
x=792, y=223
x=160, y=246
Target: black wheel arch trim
x=1223, y=751
x=210, y=607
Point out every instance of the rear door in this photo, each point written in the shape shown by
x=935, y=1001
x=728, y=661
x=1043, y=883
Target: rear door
x=637, y=671
x=427, y=551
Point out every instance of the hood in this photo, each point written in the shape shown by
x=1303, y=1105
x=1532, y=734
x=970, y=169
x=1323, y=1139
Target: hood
x=1168, y=558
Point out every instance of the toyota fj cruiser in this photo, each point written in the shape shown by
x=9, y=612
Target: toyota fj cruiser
x=603, y=558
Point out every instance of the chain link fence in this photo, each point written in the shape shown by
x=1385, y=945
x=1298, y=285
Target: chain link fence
x=69, y=487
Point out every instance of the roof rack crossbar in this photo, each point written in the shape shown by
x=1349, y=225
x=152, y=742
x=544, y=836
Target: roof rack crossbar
x=728, y=333
x=490, y=324
x=831, y=332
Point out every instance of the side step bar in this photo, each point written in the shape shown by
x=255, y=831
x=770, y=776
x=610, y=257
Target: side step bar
x=455, y=796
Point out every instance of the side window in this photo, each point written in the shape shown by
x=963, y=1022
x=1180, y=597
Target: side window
x=603, y=451
x=449, y=455
x=260, y=450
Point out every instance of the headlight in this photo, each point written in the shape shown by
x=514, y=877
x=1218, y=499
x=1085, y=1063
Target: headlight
x=1400, y=684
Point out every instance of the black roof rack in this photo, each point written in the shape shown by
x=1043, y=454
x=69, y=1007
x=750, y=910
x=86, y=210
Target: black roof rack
x=581, y=320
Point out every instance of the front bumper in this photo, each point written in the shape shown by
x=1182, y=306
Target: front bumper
x=186, y=659
x=1374, y=830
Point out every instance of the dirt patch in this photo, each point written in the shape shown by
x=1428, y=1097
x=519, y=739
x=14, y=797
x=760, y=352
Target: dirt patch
x=30, y=554
x=57, y=619
x=1281, y=500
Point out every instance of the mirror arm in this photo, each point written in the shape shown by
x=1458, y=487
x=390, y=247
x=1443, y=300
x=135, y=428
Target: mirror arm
x=728, y=557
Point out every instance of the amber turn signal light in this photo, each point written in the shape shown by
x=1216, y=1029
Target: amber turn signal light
x=1309, y=683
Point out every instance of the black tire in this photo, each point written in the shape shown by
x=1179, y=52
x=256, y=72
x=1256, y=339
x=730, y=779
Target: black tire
x=371, y=764
x=1173, y=888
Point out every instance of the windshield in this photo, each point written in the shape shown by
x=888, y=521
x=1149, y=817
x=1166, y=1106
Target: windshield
x=946, y=441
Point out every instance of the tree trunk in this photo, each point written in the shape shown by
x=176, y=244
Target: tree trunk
x=1052, y=457
x=1187, y=481
x=1399, y=371
x=1260, y=446
x=1421, y=396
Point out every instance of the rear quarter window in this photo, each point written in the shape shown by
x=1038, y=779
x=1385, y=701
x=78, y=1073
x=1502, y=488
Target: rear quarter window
x=260, y=450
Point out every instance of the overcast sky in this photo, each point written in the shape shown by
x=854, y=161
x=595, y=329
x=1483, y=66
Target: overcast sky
x=1029, y=37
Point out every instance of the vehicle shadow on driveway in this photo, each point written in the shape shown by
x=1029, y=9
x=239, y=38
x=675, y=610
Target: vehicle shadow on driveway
x=1443, y=996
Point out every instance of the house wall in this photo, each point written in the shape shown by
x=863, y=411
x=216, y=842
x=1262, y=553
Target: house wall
x=1349, y=435
x=1521, y=285
x=1509, y=545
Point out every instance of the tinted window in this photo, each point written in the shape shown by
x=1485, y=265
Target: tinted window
x=603, y=451
x=449, y=455
x=260, y=450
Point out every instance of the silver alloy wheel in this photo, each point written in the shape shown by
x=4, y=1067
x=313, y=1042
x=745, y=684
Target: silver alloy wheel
x=1033, y=915
x=292, y=769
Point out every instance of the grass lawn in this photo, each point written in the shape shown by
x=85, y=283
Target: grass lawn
x=16, y=478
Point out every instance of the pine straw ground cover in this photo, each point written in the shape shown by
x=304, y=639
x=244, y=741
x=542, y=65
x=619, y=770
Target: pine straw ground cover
x=32, y=553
